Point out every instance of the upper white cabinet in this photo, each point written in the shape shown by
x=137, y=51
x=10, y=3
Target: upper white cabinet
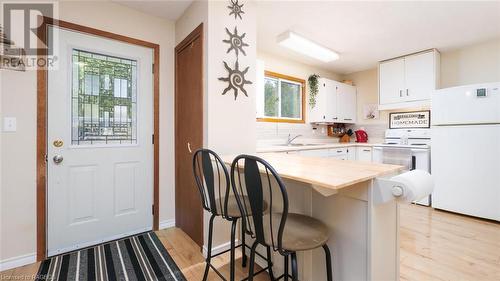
x=335, y=103
x=408, y=81
x=392, y=81
x=346, y=103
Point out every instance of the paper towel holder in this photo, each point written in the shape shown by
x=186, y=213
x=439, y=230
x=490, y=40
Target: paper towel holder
x=397, y=191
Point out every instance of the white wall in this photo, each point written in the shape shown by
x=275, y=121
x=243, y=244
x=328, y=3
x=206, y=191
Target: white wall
x=18, y=96
x=231, y=123
x=477, y=63
x=271, y=130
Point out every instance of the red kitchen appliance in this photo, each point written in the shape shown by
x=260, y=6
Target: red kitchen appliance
x=361, y=136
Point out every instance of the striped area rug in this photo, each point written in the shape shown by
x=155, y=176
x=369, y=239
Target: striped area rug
x=137, y=258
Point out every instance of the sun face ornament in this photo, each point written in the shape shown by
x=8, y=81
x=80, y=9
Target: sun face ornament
x=235, y=79
x=236, y=9
x=235, y=41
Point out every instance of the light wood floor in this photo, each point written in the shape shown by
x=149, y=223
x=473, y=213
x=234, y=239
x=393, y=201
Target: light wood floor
x=435, y=245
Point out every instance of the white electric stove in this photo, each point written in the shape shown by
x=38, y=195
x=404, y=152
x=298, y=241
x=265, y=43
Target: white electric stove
x=406, y=147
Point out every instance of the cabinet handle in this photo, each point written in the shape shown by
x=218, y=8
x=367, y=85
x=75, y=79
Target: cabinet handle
x=339, y=151
x=400, y=93
x=366, y=150
x=324, y=117
x=348, y=119
x=407, y=92
x=335, y=118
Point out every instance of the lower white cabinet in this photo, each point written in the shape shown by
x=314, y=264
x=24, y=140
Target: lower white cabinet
x=364, y=154
x=351, y=153
x=338, y=153
x=360, y=153
x=315, y=152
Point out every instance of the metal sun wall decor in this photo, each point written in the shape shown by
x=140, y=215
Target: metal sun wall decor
x=235, y=78
x=235, y=41
x=236, y=9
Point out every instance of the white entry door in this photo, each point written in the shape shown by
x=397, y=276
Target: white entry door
x=99, y=138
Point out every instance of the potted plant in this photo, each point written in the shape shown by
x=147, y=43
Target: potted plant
x=313, y=89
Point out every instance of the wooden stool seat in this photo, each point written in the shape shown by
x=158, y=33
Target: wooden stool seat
x=232, y=206
x=301, y=232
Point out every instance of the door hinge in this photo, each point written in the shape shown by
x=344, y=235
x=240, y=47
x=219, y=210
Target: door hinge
x=153, y=68
x=46, y=158
x=153, y=209
x=153, y=138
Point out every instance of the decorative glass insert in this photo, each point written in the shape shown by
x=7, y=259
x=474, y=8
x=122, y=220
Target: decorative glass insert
x=104, y=99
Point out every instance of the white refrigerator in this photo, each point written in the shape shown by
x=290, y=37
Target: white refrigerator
x=465, y=158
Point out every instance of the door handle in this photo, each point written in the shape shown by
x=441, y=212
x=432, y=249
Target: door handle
x=189, y=147
x=58, y=159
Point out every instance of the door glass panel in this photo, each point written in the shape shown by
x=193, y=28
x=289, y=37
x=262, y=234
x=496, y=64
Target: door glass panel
x=104, y=99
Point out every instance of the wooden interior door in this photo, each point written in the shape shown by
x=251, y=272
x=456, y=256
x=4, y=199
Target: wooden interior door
x=188, y=132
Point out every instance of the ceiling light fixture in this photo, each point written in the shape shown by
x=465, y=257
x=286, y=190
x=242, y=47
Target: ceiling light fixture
x=306, y=47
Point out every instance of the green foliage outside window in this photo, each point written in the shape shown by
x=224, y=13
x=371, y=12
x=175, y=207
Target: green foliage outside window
x=282, y=99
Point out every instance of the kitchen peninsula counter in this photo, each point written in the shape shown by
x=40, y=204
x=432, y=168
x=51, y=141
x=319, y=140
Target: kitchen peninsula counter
x=344, y=195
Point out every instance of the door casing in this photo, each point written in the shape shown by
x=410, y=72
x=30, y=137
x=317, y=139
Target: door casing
x=41, y=146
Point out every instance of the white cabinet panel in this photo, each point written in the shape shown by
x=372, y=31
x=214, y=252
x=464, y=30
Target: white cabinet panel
x=408, y=81
x=364, y=154
x=315, y=153
x=351, y=153
x=420, y=76
x=317, y=114
x=335, y=103
x=331, y=102
x=346, y=103
x=392, y=81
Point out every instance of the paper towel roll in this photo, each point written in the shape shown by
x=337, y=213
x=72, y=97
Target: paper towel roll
x=414, y=185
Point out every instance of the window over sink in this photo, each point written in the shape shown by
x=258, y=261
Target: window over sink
x=282, y=99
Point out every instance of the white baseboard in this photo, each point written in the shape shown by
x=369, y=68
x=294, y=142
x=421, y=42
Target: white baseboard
x=17, y=261
x=167, y=224
x=220, y=248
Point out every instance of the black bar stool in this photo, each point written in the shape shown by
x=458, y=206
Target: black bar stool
x=212, y=179
x=286, y=233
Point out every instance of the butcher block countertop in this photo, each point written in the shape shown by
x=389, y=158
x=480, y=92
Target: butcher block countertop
x=323, y=172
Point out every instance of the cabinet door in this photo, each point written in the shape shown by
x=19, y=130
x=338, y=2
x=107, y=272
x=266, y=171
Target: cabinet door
x=419, y=76
x=351, y=153
x=364, y=154
x=315, y=153
x=346, y=103
x=331, y=101
x=391, y=81
x=319, y=111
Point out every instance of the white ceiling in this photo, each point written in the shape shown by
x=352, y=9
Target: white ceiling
x=367, y=32
x=362, y=32
x=168, y=9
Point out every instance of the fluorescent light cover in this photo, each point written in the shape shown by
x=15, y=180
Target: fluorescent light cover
x=306, y=47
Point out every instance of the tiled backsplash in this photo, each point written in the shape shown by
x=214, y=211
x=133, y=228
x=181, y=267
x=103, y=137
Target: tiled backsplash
x=272, y=131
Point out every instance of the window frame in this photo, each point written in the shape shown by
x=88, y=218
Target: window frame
x=286, y=78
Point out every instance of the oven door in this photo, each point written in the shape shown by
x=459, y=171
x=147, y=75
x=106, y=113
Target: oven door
x=410, y=158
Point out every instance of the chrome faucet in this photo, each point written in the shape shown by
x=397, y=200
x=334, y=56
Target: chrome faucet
x=290, y=139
